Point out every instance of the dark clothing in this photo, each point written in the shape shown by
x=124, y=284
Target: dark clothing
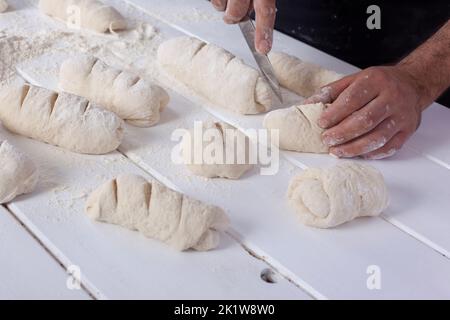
x=339, y=27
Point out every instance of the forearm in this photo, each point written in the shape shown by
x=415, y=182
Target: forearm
x=429, y=65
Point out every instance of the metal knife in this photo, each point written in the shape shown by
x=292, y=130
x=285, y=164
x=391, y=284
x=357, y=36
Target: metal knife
x=248, y=30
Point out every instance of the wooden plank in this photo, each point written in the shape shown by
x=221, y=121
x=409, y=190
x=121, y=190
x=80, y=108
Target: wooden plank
x=27, y=270
x=409, y=168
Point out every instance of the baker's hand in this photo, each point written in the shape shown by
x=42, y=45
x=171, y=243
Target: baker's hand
x=372, y=113
x=236, y=10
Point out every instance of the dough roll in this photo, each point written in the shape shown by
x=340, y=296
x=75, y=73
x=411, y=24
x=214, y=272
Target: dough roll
x=93, y=15
x=157, y=212
x=63, y=120
x=216, y=74
x=298, y=128
x=224, y=141
x=3, y=6
x=301, y=77
x=18, y=174
x=133, y=99
x=325, y=198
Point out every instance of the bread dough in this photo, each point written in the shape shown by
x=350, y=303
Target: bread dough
x=301, y=77
x=18, y=174
x=63, y=120
x=93, y=14
x=3, y=6
x=133, y=99
x=216, y=74
x=158, y=213
x=298, y=128
x=325, y=198
x=218, y=133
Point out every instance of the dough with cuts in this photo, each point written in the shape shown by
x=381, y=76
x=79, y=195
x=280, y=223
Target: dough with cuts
x=301, y=77
x=18, y=174
x=224, y=154
x=158, y=212
x=130, y=97
x=60, y=119
x=216, y=74
x=86, y=14
x=298, y=128
x=325, y=198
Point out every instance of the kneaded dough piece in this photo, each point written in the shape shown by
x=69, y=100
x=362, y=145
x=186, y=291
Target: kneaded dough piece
x=3, y=6
x=301, y=77
x=158, y=213
x=94, y=15
x=216, y=74
x=133, y=99
x=325, y=198
x=298, y=128
x=18, y=174
x=218, y=132
x=60, y=119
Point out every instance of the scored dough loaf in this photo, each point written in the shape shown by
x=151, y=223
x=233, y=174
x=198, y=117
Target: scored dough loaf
x=298, y=128
x=3, y=6
x=133, y=99
x=18, y=174
x=301, y=77
x=237, y=144
x=157, y=212
x=94, y=15
x=325, y=198
x=63, y=120
x=216, y=74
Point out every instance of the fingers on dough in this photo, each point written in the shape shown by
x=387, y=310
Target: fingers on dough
x=216, y=74
x=18, y=174
x=132, y=98
x=87, y=14
x=298, y=128
x=301, y=77
x=223, y=142
x=325, y=198
x=3, y=6
x=60, y=119
x=157, y=212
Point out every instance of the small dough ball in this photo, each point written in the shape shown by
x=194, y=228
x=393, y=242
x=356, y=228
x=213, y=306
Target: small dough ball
x=326, y=198
x=211, y=144
x=298, y=128
x=18, y=174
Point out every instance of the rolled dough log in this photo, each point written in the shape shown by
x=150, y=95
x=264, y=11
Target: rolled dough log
x=93, y=14
x=301, y=77
x=63, y=120
x=3, y=6
x=298, y=128
x=216, y=74
x=157, y=212
x=236, y=146
x=18, y=174
x=325, y=198
x=133, y=99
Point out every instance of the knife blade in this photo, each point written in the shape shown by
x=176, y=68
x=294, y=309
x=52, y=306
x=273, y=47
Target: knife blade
x=248, y=30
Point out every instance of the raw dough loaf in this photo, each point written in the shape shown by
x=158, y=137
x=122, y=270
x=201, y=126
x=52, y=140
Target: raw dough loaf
x=216, y=74
x=301, y=77
x=63, y=120
x=158, y=213
x=3, y=6
x=94, y=15
x=18, y=174
x=130, y=97
x=219, y=130
x=325, y=198
x=298, y=128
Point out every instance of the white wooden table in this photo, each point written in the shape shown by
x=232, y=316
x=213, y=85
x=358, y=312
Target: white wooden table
x=410, y=243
